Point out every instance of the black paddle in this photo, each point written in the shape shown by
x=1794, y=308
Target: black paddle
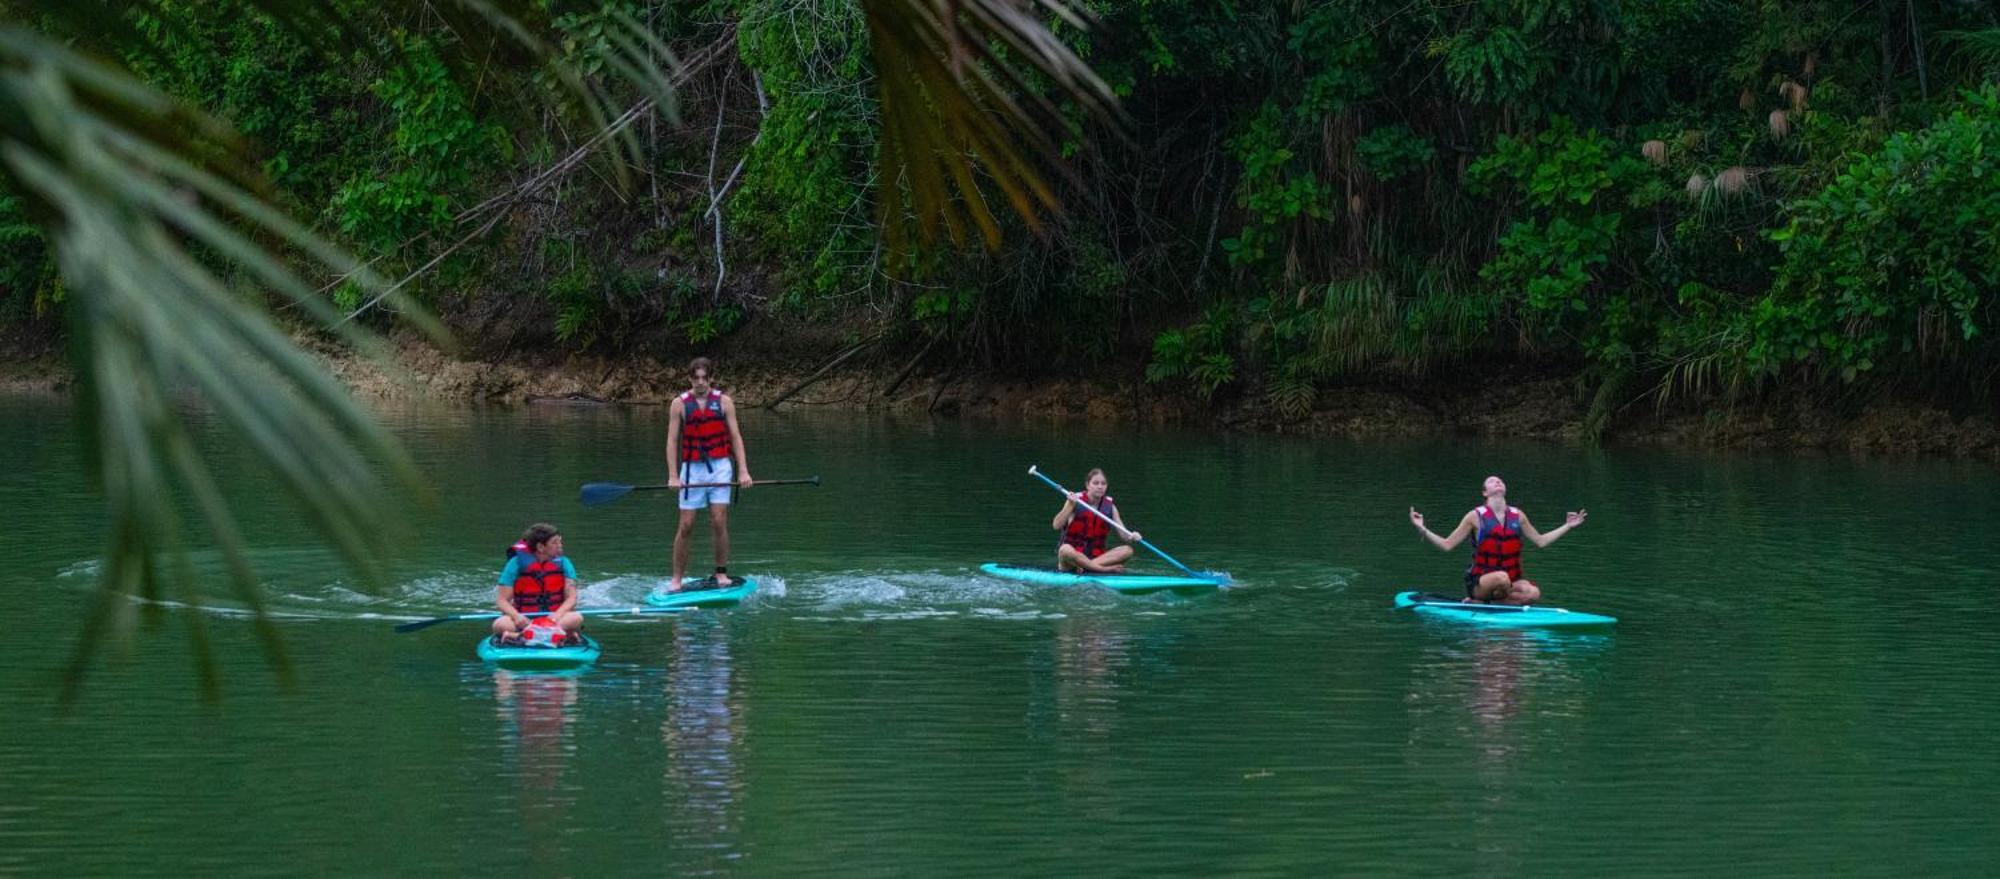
x=599, y=493
x=595, y=611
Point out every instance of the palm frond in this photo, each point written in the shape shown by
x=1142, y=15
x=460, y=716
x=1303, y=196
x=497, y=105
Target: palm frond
x=1978, y=50
x=103, y=165
x=1713, y=364
x=945, y=115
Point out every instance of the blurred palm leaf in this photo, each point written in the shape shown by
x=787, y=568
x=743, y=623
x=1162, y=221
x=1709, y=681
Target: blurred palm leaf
x=123, y=182
x=957, y=86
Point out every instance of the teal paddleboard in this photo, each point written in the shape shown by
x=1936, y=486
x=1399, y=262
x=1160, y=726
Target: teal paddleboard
x=1532, y=616
x=703, y=593
x=1131, y=584
x=540, y=657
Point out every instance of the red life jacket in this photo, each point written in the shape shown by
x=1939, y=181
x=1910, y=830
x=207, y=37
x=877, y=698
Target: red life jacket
x=538, y=586
x=1087, y=532
x=704, y=430
x=1497, y=546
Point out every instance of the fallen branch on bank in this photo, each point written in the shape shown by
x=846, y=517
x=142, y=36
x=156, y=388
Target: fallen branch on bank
x=910, y=368
x=823, y=370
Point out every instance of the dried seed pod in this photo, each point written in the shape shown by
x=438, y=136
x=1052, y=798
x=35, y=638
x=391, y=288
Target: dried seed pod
x=1746, y=100
x=1655, y=151
x=1794, y=94
x=1733, y=180
x=1781, y=124
x=1696, y=185
x=1355, y=204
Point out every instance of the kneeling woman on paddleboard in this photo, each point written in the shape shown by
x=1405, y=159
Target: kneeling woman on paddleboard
x=1495, y=574
x=538, y=578
x=1082, y=546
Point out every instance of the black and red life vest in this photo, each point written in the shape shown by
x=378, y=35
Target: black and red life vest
x=538, y=585
x=1087, y=532
x=704, y=429
x=1497, y=546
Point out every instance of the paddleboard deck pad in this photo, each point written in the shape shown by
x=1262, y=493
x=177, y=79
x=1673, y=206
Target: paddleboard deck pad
x=703, y=593
x=1532, y=616
x=522, y=656
x=1131, y=584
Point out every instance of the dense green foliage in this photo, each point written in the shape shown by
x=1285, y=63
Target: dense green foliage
x=1669, y=197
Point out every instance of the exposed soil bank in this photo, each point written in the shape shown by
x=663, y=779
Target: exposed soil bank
x=1548, y=408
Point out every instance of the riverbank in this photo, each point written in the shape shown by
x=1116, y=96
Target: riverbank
x=1549, y=408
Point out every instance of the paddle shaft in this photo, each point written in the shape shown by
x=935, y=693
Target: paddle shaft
x=1125, y=532
x=597, y=493
x=592, y=612
x=812, y=481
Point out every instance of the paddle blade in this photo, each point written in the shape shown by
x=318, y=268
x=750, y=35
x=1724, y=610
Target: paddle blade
x=420, y=624
x=597, y=493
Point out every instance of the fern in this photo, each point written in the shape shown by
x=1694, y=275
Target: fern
x=1716, y=366
x=1292, y=394
x=1499, y=67
x=1979, y=50
x=572, y=319
x=1170, y=356
x=1212, y=373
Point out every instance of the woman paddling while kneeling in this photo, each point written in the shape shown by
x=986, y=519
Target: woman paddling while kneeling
x=1082, y=546
x=538, y=578
x=1495, y=574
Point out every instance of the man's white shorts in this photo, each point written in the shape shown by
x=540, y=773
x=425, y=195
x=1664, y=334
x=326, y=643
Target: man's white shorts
x=706, y=470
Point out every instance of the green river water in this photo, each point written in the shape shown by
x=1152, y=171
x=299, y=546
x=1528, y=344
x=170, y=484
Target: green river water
x=1802, y=680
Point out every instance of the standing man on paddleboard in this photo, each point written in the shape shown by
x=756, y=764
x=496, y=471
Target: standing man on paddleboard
x=704, y=448
x=1495, y=574
x=1082, y=546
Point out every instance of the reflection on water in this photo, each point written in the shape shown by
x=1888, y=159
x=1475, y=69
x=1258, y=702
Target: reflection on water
x=1494, y=713
x=1474, y=684
x=1088, y=654
x=703, y=731
x=1495, y=696
x=536, y=711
